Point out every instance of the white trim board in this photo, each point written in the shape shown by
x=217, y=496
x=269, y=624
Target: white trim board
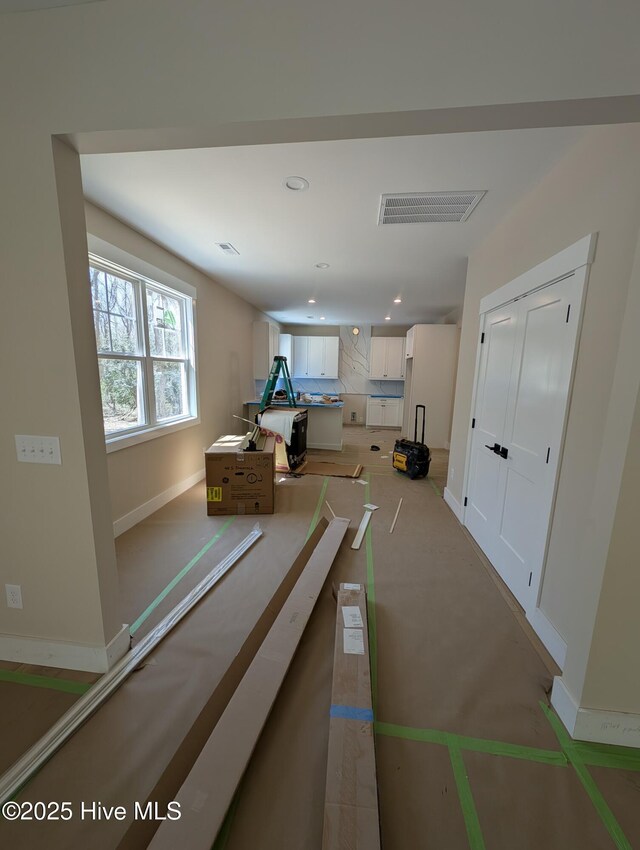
x=592, y=724
x=124, y=523
x=581, y=253
x=453, y=503
x=550, y=637
x=64, y=654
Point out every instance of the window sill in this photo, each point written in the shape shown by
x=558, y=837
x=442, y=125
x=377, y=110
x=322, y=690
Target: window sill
x=115, y=443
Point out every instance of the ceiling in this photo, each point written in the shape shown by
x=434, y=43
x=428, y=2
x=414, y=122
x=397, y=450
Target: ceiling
x=189, y=200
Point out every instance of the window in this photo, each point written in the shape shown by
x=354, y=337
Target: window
x=144, y=337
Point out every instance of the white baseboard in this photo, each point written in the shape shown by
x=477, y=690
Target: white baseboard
x=143, y=511
x=564, y=704
x=333, y=447
x=67, y=655
x=594, y=724
x=549, y=636
x=453, y=503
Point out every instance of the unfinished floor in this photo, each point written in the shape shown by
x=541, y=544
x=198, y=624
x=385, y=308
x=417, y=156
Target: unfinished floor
x=469, y=755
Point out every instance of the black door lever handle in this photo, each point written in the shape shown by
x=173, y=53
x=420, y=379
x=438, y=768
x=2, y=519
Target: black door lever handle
x=495, y=448
x=504, y=452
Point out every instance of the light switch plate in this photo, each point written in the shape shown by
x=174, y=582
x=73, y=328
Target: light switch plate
x=30, y=449
x=14, y=595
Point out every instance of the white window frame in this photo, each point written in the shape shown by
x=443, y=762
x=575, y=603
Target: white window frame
x=153, y=428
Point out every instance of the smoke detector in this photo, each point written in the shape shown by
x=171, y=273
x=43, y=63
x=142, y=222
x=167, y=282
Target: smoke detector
x=428, y=207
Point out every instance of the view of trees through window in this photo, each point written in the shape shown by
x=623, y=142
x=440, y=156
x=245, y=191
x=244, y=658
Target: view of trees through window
x=144, y=365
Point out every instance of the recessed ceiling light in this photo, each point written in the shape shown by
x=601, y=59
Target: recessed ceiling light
x=355, y=331
x=296, y=184
x=387, y=318
x=312, y=301
x=322, y=318
x=322, y=265
x=397, y=300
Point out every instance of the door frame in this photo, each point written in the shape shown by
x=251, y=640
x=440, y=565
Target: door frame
x=575, y=261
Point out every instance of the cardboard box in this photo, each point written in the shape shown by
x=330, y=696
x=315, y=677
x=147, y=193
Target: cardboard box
x=351, y=818
x=208, y=790
x=239, y=482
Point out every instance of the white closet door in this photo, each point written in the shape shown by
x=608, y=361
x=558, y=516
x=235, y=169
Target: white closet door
x=492, y=394
x=521, y=398
x=533, y=431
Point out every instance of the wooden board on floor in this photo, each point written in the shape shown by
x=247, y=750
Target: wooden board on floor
x=335, y=470
x=351, y=818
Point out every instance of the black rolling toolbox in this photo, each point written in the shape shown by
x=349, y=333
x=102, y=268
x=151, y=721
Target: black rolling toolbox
x=410, y=456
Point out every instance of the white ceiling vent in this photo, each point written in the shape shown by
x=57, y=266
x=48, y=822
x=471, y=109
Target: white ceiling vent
x=227, y=248
x=425, y=207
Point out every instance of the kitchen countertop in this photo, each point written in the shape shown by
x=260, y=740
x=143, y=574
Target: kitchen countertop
x=301, y=403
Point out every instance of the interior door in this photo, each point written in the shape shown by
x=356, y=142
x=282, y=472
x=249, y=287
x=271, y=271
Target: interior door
x=521, y=398
x=533, y=431
x=492, y=395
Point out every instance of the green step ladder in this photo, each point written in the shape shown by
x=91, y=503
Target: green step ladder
x=279, y=365
x=255, y=440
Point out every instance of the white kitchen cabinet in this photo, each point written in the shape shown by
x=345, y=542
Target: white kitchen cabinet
x=315, y=356
x=408, y=349
x=384, y=412
x=386, y=359
x=430, y=380
x=285, y=349
x=266, y=344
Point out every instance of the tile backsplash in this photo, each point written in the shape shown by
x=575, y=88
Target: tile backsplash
x=353, y=371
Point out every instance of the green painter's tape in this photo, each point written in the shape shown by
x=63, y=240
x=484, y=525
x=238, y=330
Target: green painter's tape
x=371, y=608
x=151, y=608
x=595, y=755
x=53, y=684
x=427, y=736
x=474, y=833
x=478, y=745
x=316, y=516
x=434, y=487
x=574, y=755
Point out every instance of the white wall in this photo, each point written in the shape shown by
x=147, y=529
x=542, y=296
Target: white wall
x=224, y=354
x=595, y=188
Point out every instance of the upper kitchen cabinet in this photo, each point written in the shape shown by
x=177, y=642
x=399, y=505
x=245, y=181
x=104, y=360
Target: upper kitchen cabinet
x=316, y=356
x=386, y=361
x=266, y=344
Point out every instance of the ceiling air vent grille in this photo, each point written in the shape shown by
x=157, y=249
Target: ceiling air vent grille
x=227, y=248
x=425, y=207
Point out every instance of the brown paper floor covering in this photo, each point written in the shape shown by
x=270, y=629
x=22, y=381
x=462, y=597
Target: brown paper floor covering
x=452, y=657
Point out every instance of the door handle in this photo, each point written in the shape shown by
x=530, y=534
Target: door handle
x=495, y=448
x=504, y=452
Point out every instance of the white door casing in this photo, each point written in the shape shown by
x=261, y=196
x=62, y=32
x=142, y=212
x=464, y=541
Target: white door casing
x=524, y=371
